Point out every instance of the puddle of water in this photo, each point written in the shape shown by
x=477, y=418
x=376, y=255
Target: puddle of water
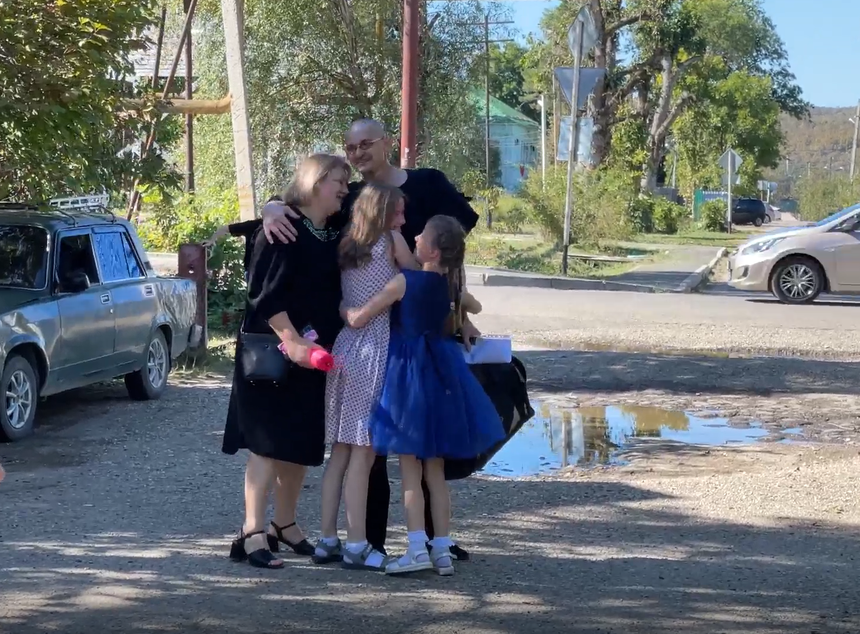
x=591, y=436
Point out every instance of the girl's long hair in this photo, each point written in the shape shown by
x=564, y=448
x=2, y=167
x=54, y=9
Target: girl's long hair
x=310, y=172
x=449, y=238
x=372, y=215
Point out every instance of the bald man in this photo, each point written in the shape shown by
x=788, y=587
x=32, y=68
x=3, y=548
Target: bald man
x=428, y=193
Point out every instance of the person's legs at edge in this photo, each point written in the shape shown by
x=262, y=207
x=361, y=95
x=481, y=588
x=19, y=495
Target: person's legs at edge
x=259, y=474
x=289, y=478
x=440, y=503
x=416, y=557
x=327, y=549
x=378, y=501
x=428, y=514
x=459, y=553
x=361, y=462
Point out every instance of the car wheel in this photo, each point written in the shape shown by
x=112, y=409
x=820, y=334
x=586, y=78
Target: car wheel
x=767, y=220
x=20, y=389
x=758, y=222
x=150, y=381
x=797, y=280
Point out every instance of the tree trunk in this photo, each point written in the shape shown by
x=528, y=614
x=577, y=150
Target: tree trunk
x=664, y=116
x=599, y=110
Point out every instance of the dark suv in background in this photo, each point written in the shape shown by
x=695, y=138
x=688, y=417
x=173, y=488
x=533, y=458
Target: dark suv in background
x=749, y=211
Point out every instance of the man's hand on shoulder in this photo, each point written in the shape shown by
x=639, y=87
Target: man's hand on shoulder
x=276, y=223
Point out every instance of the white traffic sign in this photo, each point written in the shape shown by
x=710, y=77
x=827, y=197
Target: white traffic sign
x=735, y=163
x=589, y=32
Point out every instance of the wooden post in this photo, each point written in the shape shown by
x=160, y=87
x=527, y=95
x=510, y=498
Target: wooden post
x=409, y=87
x=189, y=118
x=231, y=10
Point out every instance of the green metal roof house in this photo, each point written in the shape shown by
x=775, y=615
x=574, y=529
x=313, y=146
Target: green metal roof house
x=516, y=136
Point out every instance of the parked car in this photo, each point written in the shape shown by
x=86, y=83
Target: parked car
x=796, y=264
x=80, y=303
x=746, y=211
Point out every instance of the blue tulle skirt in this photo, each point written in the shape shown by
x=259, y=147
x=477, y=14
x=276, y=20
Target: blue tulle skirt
x=431, y=405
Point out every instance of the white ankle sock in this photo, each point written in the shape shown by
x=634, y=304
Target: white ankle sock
x=375, y=558
x=328, y=541
x=442, y=542
x=417, y=540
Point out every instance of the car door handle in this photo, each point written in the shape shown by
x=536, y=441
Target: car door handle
x=105, y=298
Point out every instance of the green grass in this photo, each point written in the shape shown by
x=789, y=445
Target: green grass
x=529, y=253
x=696, y=237
x=217, y=361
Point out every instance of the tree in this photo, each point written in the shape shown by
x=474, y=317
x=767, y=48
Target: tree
x=742, y=114
x=693, y=46
x=62, y=74
x=507, y=82
x=313, y=67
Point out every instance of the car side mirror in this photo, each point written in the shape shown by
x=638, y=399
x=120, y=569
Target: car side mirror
x=74, y=282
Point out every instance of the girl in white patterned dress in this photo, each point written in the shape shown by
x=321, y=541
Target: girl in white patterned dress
x=369, y=257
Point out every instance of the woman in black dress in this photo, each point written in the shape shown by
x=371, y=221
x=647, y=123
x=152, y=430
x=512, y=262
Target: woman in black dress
x=292, y=289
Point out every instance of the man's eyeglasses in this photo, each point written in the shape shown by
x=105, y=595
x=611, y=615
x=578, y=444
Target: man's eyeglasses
x=364, y=146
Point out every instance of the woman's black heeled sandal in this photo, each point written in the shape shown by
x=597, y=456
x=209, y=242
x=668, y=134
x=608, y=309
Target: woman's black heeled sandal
x=303, y=547
x=260, y=558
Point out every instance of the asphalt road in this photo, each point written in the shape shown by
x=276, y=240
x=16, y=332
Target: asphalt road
x=722, y=322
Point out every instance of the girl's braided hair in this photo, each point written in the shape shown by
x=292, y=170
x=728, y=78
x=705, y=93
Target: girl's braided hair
x=449, y=238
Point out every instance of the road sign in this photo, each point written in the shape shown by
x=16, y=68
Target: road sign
x=585, y=126
x=735, y=163
x=589, y=32
x=588, y=79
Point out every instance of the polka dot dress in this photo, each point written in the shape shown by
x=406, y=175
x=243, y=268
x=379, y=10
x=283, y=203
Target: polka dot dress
x=353, y=387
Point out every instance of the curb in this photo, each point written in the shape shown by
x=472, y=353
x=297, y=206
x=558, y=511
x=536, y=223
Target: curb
x=495, y=277
x=701, y=274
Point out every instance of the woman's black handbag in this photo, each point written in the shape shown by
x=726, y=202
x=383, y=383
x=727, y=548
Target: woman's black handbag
x=260, y=359
x=505, y=384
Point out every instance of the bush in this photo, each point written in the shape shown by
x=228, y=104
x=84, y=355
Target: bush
x=600, y=209
x=640, y=214
x=820, y=197
x=668, y=217
x=510, y=215
x=714, y=215
x=166, y=224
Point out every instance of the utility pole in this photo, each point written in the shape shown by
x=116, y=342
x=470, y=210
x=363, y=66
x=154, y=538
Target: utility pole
x=571, y=144
x=189, y=118
x=233, y=16
x=487, y=41
x=543, y=139
x=556, y=109
x=409, y=88
x=854, y=144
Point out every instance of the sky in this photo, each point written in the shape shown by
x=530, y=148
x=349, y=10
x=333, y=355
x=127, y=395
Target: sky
x=820, y=38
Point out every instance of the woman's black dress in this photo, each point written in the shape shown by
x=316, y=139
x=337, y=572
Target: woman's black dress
x=287, y=421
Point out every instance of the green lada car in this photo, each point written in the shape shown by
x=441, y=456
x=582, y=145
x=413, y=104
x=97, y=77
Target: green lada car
x=80, y=304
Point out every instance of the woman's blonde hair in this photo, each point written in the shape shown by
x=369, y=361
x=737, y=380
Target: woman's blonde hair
x=312, y=170
x=372, y=215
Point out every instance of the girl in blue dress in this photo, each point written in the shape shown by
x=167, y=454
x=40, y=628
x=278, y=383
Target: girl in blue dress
x=431, y=406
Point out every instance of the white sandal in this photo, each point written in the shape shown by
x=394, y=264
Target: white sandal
x=410, y=562
x=443, y=561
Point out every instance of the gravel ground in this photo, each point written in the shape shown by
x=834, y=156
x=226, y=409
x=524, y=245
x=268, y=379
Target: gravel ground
x=117, y=515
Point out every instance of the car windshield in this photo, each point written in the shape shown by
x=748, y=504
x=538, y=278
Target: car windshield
x=23, y=252
x=839, y=214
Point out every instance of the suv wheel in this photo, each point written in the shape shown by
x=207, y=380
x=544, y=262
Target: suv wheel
x=150, y=381
x=757, y=221
x=19, y=388
x=797, y=280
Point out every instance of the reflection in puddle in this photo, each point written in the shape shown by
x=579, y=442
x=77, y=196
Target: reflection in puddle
x=591, y=436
